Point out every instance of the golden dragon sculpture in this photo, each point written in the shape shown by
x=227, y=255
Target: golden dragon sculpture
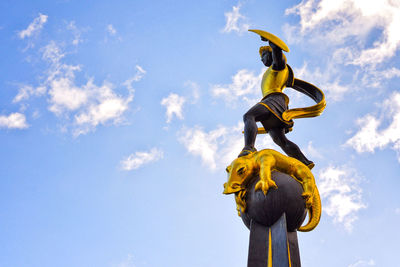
x=242, y=169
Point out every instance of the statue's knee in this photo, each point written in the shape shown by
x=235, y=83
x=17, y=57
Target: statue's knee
x=248, y=116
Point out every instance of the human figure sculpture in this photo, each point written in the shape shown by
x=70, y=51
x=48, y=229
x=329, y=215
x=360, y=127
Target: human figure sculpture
x=272, y=111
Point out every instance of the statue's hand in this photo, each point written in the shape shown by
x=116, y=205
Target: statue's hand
x=273, y=46
x=265, y=185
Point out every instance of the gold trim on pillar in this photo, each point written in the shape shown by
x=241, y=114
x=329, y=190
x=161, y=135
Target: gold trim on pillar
x=269, y=248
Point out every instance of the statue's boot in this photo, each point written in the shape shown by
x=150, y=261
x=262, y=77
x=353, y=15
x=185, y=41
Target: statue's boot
x=246, y=151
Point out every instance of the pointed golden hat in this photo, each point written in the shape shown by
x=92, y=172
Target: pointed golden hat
x=273, y=39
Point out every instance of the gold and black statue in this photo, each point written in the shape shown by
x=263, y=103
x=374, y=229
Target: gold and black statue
x=274, y=192
x=272, y=111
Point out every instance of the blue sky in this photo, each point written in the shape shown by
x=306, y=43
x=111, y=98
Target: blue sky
x=118, y=119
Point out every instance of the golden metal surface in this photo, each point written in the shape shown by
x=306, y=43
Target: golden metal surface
x=274, y=81
x=288, y=252
x=269, y=247
x=272, y=38
x=307, y=112
x=263, y=162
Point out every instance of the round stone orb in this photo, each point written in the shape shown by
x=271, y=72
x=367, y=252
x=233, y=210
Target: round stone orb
x=267, y=209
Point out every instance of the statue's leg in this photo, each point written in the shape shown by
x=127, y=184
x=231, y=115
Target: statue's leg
x=290, y=148
x=256, y=113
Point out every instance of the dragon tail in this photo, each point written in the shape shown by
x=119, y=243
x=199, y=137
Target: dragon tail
x=314, y=213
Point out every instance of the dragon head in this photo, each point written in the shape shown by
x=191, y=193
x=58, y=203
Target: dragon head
x=238, y=171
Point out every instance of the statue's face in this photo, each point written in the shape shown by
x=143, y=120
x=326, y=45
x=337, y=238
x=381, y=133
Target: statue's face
x=266, y=58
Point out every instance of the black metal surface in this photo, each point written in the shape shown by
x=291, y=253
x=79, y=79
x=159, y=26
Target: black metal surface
x=267, y=209
x=258, y=245
x=284, y=245
x=279, y=243
x=294, y=249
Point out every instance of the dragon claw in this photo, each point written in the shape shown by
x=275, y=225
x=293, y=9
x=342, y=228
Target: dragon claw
x=265, y=186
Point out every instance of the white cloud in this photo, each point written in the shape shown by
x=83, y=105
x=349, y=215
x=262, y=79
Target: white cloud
x=245, y=86
x=138, y=159
x=217, y=148
x=111, y=30
x=174, y=104
x=104, y=105
x=88, y=104
x=195, y=91
x=312, y=152
x=33, y=28
x=377, y=78
x=65, y=95
x=355, y=20
x=203, y=144
x=327, y=80
x=53, y=54
x=235, y=21
x=355, y=41
x=13, y=121
x=128, y=262
x=140, y=72
x=370, y=137
x=26, y=91
x=363, y=263
x=340, y=190
x=76, y=32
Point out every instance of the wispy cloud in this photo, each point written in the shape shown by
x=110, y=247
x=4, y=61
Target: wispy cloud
x=363, y=263
x=338, y=21
x=245, y=86
x=174, y=105
x=327, y=78
x=360, y=36
x=369, y=137
x=33, y=28
x=128, y=262
x=218, y=147
x=340, y=190
x=235, y=22
x=313, y=152
x=140, y=158
x=92, y=104
x=26, y=91
x=194, y=90
x=139, y=74
x=111, y=30
x=13, y=121
x=88, y=104
x=77, y=32
x=204, y=144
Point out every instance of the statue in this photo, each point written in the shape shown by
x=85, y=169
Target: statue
x=274, y=192
x=272, y=111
